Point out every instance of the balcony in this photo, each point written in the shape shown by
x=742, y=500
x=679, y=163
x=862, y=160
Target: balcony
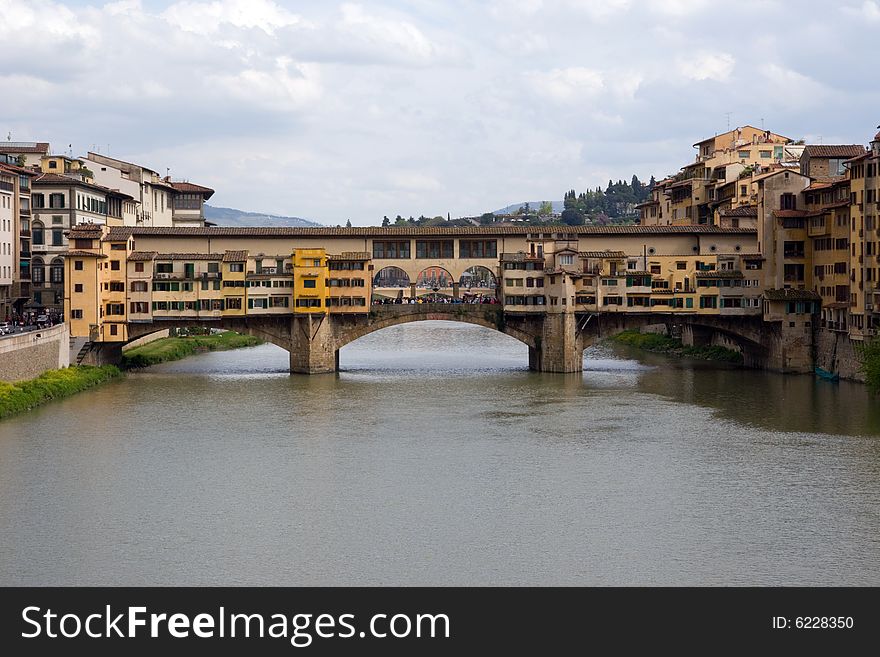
x=793, y=253
x=210, y=275
x=165, y=276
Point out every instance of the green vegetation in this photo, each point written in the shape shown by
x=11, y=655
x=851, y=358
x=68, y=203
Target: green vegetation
x=665, y=345
x=871, y=365
x=54, y=384
x=175, y=348
x=615, y=204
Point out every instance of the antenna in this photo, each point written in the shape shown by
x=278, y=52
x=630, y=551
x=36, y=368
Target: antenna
x=762, y=123
x=727, y=114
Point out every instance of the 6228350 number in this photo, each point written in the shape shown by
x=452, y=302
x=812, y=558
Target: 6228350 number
x=823, y=622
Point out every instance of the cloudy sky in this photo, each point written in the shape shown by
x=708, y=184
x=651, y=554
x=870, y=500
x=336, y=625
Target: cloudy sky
x=355, y=110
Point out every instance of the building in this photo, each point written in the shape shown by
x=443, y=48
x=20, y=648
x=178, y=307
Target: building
x=59, y=203
x=159, y=200
x=823, y=161
x=8, y=225
x=25, y=153
x=19, y=292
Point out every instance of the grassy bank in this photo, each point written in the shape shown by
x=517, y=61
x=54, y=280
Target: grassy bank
x=168, y=349
x=871, y=365
x=54, y=384
x=663, y=344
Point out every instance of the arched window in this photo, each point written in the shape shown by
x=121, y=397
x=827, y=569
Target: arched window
x=38, y=274
x=57, y=270
x=37, y=235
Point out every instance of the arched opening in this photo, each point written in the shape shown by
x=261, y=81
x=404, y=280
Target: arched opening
x=38, y=236
x=57, y=271
x=435, y=284
x=438, y=345
x=390, y=283
x=478, y=285
x=38, y=272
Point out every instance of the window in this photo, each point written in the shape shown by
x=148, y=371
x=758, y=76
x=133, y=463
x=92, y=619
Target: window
x=38, y=200
x=57, y=237
x=57, y=270
x=56, y=201
x=117, y=286
x=37, y=234
x=478, y=248
x=114, y=265
x=308, y=303
x=233, y=303
x=742, y=154
x=236, y=267
x=117, y=247
x=434, y=249
x=566, y=259
x=139, y=307
x=139, y=286
x=78, y=265
x=139, y=267
x=391, y=250
x=788, y=202
x=213, y=267
x=765, y=155
x=115, y=309
x=78, y=287
x=310, y=283
x=76, y=314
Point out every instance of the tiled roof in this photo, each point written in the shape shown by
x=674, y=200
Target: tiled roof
x=415, y=231
x=631, y=272
x=235, y=256
x=40, y=148
x=350, y=255
x=829, y=150
x=788, y=294
x=141, y=256
x=83, y=254
x=720, y=273
x=788, y=214
x=85, y=232
x=23, y=171
x=741, y=211
x=192, y=188
x=195, y=256
x=602, y=254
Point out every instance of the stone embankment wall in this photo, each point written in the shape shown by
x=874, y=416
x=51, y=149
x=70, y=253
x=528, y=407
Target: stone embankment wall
x=836, y=352
x=27, y=355
x=147, y=339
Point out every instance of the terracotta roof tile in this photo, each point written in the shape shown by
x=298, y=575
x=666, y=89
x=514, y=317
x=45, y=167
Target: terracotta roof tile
x=192, y=188
x=195, y=256
x=350, y=255
x=741, y=211
x=40, y=148
x=83, y=254
x=720, y=273
x=602, y=254
x=830, y=150
x=141, y=256
x=235, y=256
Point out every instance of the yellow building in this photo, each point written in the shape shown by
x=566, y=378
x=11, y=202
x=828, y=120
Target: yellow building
x=233, y=283
x=310, y=274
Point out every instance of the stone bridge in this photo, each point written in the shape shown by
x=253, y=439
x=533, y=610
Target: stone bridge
x=556, y=340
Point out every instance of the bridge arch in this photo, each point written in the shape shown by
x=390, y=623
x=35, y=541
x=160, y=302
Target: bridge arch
x=434, y=279
x=348, y=336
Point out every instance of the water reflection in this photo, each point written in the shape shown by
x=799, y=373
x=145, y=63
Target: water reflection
x=436, y=457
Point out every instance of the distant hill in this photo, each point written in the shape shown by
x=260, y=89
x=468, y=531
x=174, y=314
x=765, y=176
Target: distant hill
x=233, y=217
x=558, y=206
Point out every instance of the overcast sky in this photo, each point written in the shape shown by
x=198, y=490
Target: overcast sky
x=336, y=111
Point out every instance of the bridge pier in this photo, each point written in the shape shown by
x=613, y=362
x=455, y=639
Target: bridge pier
x=312, y=345
x=103, y=353
x=559, y=348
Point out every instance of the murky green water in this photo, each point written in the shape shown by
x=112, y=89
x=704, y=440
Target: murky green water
x=436, y=457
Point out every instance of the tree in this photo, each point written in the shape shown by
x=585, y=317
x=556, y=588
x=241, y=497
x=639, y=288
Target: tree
x=386, y=221
x=348, y=224
x=398, y=220
x=572, y=217
x=21, y=159
x=487, y=218
x=871, y=365
x=546, y=209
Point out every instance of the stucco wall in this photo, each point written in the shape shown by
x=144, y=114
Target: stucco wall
x=30, y=354
x=152, y=337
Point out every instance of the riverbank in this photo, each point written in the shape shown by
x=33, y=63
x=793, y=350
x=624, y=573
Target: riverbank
x=663, y=344
x=168, y=349
x=55, y=384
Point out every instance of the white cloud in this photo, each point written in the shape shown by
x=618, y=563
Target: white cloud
x=706, y=66
x=208, y=17
x=788, y=86
x=870, y=10
x=567, y=84
x=287, y=87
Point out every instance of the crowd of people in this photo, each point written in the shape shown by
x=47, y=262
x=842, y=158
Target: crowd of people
x=471, y=299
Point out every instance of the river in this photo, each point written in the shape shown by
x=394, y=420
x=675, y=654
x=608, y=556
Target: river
x=435, y=457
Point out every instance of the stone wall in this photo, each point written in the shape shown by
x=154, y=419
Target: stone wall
x=147, y=339
x=836, y=352
x=27, y=355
